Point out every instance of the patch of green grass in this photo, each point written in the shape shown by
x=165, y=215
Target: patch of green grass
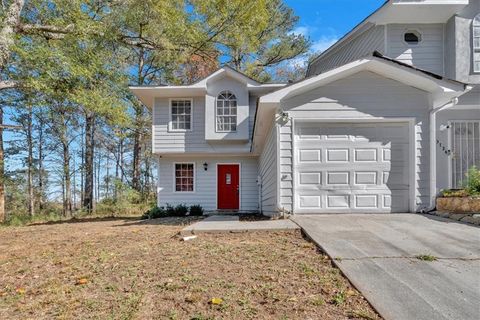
x=426, y=257
x=362, y=314
x=339, y=298
x=309, y=271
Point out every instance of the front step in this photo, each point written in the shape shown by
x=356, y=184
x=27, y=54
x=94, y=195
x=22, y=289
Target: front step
x=230, y=213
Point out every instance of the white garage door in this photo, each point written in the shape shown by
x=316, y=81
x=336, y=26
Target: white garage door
x=347, y=167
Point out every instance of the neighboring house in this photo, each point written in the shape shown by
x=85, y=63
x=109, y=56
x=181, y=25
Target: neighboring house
x=385, y=119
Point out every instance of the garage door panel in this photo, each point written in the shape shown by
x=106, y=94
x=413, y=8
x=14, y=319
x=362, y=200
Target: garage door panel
x=352, y=168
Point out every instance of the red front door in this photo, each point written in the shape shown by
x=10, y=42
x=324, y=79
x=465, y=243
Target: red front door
x=228, y=186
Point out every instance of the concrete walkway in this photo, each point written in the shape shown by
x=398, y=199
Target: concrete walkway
x=378, y=254
x=233, y=224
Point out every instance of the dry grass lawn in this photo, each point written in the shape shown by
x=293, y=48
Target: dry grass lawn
x=126, y=269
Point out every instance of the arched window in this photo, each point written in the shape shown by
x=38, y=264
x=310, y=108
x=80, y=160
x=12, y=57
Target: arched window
x=226, y=117
x=476, y=43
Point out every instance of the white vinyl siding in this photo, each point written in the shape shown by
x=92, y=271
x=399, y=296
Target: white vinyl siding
x=427, y=54
x=268, y=174
x=166, y=141
x=206, y=182
x=367, y=95
x=364, y=44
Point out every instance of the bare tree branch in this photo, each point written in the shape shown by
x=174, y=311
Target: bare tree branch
x=9, y=84
x=36, y=28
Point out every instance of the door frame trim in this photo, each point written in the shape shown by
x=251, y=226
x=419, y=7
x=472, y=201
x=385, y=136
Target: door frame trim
x=239, y=164
x=412, y=131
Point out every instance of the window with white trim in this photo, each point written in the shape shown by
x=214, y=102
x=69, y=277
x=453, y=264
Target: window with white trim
x=180, y=115
x=184, y=177
x=226, y=112
x=476, y=43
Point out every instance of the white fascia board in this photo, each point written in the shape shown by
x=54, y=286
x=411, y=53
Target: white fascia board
x=228, y=71
x=426, y=11
x=147, y=94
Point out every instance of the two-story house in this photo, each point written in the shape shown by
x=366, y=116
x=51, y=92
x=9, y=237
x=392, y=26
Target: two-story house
x=385, y=119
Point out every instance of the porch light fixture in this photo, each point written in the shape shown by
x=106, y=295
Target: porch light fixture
x=284, y=116
x=205, y=166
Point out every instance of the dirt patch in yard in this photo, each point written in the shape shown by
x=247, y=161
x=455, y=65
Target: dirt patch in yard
x=126, y=269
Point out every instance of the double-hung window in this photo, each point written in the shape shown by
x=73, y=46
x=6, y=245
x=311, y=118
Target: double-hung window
x=476, y=43
x=180, y=115
x=184, y=177
x=226, y=112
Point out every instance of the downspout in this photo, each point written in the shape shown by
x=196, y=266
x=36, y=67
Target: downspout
x=433, y=153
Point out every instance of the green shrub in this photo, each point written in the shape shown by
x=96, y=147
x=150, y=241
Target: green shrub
x=154, y=213
x=196, y=210
x=181, y=210
x=170, y=210
x=454, y=193
x=473, y=181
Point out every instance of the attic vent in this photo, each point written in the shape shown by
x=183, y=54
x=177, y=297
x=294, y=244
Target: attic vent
x=412, y=37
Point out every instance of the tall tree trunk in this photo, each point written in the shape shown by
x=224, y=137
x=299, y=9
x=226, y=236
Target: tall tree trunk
x=98, y=166
x=120, y=155
x=31, y=196
x=40, y=163
x=139, y=125
x=82, y=170
x=67, y=202
x=137, y=150
x=107, y=179
x=7, y=32
x=89, y=161
x=74, y=170
x=2, y=172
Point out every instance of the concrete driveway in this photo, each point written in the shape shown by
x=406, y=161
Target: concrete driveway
x=378, y=253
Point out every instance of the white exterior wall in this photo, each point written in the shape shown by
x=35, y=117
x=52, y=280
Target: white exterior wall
x=285, y=145
x=367, y=95
x=267, y=170
x=205, y=192
x=428, y=54
x=364, y=44
x=239, y=89
x=192, y=141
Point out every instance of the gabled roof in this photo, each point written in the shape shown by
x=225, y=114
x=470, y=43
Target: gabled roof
x=442, y=90
x=146, y=94
x=401, y=11
x=375, y=62
x=227, y=70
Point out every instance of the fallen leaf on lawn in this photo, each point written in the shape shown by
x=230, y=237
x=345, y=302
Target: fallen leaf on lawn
x=81, y=281
x=20, y=290
x=3, y=293
x=216, y=301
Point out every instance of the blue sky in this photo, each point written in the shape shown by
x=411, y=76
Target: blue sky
x=325, y=21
